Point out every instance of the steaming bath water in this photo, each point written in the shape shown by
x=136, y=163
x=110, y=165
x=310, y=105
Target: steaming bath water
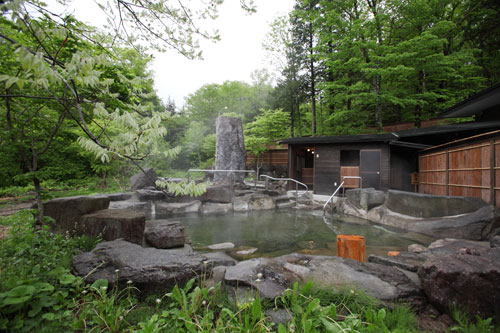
x=279, y=232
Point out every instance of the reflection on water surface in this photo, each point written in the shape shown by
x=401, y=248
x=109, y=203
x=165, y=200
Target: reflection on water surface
x=279, y=232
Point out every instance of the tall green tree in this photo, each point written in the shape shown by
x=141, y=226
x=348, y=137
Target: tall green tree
x=287, y=57
x=58, y=69
x=380, y=61
x=265, y=131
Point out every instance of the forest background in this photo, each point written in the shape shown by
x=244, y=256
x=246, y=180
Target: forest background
x=78, y=105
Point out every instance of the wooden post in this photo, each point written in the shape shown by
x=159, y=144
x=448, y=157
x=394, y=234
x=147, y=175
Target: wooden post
x=351, y=246
x=447, y=172
x=492, y=172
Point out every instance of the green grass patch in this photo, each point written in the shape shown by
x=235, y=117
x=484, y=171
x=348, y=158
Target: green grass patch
x=50, y=190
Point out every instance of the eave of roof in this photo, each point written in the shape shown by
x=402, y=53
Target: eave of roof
x=481, y=101
x=464, y=140
x=450, y=128
x=384, y=137
x=395, y=136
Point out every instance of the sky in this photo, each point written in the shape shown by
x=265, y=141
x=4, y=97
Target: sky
x=234, y=57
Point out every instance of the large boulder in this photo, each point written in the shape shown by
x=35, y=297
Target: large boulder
x=430, y=206
x=254, y=201
x=150, y=194
x=115, y=223
x=143, y=179
x=242, y=203
x=472, y=225
x=262, y=202
x=120, y=196
x=388, y=284
x=371, y=198
x=467, y=279
x=257, y=273
x=495, y=241
x=230, y=151
x=165, y=234
x=271, y=276
x=431, y=215
x=67, y=212
x=148, y=268
x=217, y=193
x=136, y=206
x=168, y=209
x=216, y=208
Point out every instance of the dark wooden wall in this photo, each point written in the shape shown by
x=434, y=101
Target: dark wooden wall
x=326, y=168
x=327, y=165
x=403, y=163
x=468, y=168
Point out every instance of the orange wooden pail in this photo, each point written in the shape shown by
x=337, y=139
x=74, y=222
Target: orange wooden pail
x=351, y=246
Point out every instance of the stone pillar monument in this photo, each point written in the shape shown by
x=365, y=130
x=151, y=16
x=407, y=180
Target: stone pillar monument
x=230, y=151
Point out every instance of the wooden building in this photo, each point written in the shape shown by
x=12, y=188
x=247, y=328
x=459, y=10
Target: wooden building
x=469, y=166
x=388, y=160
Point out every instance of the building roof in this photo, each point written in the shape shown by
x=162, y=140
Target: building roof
x=423, y=136
x=385, y=137
x=480, y=102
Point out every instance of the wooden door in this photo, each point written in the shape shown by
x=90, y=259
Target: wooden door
x=369, y=168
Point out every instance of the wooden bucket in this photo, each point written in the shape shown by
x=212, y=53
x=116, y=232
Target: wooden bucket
x=351, y=246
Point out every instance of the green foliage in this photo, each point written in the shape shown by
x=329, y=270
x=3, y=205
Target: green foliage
x=37, y=286
x=380, y=62
x=183, y=188
x=266, y=130
x=464, y=323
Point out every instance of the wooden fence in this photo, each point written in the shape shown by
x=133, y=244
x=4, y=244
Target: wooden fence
x=274, y=157
x=468, y=167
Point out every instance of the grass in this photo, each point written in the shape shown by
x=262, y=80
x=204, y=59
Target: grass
x=50, y=190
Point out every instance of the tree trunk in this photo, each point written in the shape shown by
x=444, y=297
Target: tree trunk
x=313, y=78
x=104, y=182
x=378, y=108
x=419, y=108
x=39, y=201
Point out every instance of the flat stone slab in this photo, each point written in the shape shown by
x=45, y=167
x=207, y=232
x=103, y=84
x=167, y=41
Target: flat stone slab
x=216, y=208
x=68, y=211
x=253, y=273
x=411, y=261
x=115, y=223
x=243, y=252
x=148, y=268
x=271, y=276
x=119, y=196
x=136, y=206
x=169, y=209
x=221, y=246
x=405, y=260
x=150, y=194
